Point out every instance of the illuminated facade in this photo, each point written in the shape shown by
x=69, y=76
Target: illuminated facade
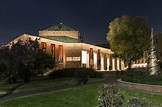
x=68, y=49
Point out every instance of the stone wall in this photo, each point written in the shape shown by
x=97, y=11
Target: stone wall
x=139, y=87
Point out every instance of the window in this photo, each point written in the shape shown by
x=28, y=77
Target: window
x=53, y=50
x=43, y=45
x=60, y=58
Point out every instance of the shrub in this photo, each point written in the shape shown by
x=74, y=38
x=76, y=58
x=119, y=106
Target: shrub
x=76, y=72
x=153, y=80
x=142, y=78
x=133, y=76
x=160, y=64
x=139, y=102
x=110, y=96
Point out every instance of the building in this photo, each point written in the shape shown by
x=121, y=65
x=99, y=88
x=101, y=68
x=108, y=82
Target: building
x=68, y=49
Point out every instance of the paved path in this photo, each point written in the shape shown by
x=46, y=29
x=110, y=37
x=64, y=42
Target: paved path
x=109, y=79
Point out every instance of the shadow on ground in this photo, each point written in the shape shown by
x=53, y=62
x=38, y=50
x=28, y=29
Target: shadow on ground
x=11, y=90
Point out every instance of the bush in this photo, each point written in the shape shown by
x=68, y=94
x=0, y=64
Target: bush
x=153, y=80
x=142, y=78
x=76, y=72
x=139, y=102
x=110, y=96
x=133, y=76
x=160, y=64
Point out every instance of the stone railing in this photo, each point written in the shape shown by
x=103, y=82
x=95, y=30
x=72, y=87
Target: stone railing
x=140, y=87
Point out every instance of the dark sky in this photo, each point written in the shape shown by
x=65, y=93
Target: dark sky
x=90, y=17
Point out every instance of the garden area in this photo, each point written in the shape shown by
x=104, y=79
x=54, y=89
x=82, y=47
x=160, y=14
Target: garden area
x=58, y=78
x=142, y=77
x=84, y=96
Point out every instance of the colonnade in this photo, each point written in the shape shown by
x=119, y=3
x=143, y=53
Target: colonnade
x=103, y=61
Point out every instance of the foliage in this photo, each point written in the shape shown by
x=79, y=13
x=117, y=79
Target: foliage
x=21, y=60
x=129, y=37
x=43, y=60
x=153, y=80
x=142, y=78
x=110, y=96
x=139, y=102
x=76, y=72
x=7, y=70
x=160, y=64
x=133, y=76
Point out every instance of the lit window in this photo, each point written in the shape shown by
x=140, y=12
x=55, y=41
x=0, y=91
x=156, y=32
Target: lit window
x=53, y=50
x=60, y=58
x=43, y=45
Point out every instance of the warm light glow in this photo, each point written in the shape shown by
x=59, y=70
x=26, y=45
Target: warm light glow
x=142, y=65
x=102, y=61
x=113, y=64
x=108, y=63
x=72, y=58
x=95, y=60
x=84, y=57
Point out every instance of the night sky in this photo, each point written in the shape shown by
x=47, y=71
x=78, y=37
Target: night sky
x=90, y=17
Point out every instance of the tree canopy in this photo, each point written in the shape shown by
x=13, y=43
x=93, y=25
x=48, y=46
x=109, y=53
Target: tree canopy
x=22, y=60
x=129, y=37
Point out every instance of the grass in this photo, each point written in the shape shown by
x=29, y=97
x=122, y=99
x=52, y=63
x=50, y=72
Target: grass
x=155, y=99
x=44, y=82
x=84, y=96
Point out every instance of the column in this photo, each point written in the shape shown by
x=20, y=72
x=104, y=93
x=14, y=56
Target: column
x=113, y=64
x=122, y=65
x=102, y=61
x=108, y=64
x=87, y=65
x=118, y=64
x=95, y=60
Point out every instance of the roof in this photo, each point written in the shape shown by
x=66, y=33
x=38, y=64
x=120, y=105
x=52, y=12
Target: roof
x=60, y=27
x=104, y=45
x=62, y=39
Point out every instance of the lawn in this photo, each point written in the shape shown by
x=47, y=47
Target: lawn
x=84, y=96
x=44, y=82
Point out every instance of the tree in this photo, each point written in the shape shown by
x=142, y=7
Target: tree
x=21, y=60
x=43, y=61
x=129, y=37
x=7, y=70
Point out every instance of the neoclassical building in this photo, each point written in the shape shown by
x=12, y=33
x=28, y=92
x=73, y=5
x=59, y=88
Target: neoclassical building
x=68, y=49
